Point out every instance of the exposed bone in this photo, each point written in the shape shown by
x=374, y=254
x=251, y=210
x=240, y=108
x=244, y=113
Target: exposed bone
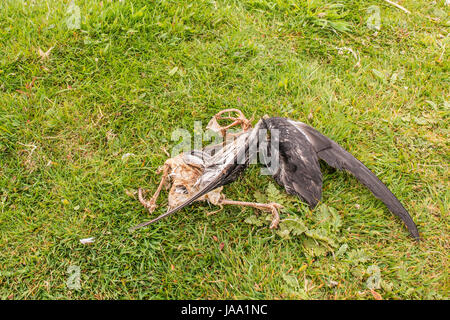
x=240, y=120
x=151, y=204
x=183, y=172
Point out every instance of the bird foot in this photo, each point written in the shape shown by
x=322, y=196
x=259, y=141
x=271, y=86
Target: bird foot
x=275, y=216
x=272, y=207
x=148, y=204
x=214, y=212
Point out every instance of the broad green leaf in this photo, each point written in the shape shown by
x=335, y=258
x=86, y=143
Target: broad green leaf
x=357, y=256
x=386, y=286
x=314, y=248
x=283, y=232
x=341, y=250
x=328, y=218
x=291, y=280
x=295, y=225
x=273, y=194
x=259, y=197
x=322, y=235
x=254, y=221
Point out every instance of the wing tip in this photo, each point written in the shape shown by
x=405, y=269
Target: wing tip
x=414, y=232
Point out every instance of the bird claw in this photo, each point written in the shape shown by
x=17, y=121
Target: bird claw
x=275, y=216
x=272, y=207
x=151, y=208
x=214, y=212
x=148, y=204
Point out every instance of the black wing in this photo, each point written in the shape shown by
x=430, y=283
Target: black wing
x=224, y=167
x=300, y=145
x=298, y=169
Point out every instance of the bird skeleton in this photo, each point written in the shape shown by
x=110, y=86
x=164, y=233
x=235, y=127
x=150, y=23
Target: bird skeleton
x=199, y=175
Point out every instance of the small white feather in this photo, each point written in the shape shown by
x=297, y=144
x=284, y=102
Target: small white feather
x=87, y=240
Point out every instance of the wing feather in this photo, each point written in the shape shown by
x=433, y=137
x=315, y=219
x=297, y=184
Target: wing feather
x=337, y=157
x=298, y=170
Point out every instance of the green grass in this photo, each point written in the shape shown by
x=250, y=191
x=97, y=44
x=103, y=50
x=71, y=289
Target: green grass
x=110, y=88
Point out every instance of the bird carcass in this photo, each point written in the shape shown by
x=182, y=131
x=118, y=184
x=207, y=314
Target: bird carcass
x=200, y=175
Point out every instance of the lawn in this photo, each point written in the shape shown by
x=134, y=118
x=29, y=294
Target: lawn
x=91, y=91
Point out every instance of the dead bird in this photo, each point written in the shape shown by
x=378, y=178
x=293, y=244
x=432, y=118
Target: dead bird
x=199, y=175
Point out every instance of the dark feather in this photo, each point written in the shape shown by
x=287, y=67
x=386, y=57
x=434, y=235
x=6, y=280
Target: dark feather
x=298, y=171
x=304, y=137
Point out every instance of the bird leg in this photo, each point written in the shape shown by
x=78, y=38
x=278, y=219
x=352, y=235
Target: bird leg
x=215, y=211
x=272, y=207
x=151, y=204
